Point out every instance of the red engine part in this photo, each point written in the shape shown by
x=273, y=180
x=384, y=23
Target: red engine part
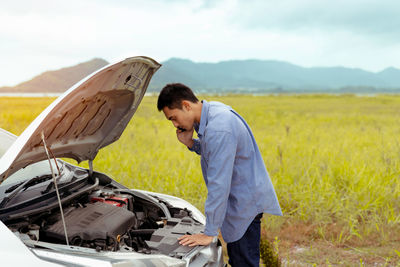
x=112, y=200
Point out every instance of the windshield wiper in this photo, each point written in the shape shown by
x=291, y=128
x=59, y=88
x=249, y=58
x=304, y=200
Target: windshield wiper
x=51, y=184
x=22, y=186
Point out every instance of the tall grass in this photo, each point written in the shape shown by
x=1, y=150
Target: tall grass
x=334, y=160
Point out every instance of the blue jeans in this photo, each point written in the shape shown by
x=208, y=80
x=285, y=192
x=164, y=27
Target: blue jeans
x=246, y=251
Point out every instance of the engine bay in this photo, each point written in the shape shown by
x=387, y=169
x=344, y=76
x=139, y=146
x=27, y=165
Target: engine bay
x=107, y=218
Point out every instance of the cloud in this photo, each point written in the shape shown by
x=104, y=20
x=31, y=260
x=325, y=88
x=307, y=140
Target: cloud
x=48, y=34
x=370, y=18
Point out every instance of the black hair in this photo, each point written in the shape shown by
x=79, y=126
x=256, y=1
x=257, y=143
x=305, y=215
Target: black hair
x=173, y=94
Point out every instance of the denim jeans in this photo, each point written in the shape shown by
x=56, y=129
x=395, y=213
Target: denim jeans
x=246, y=251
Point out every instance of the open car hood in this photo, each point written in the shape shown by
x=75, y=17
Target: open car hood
x=90, y=115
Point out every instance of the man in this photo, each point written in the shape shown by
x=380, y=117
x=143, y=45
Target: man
x=239, y=188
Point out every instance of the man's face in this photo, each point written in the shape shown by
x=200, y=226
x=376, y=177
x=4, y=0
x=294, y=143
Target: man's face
x=180, y=118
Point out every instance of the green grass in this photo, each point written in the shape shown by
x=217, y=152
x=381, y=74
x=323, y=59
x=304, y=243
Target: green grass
x=334, y=161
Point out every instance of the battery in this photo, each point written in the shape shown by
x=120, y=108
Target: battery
x=118, y=201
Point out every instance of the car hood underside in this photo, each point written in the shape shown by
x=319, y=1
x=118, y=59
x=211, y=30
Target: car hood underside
x=89, y=116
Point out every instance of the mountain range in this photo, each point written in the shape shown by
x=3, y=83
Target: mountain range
x=57, y=81
x=234, y=76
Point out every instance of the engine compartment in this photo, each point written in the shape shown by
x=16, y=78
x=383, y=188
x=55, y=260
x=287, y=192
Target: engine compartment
x=107, y=220
x=99, y=214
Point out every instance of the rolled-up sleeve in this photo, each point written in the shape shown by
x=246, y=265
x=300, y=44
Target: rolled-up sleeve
x=220, y=153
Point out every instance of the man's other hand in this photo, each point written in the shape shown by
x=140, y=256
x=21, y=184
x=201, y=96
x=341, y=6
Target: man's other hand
x=185, y=137
x=195, y=240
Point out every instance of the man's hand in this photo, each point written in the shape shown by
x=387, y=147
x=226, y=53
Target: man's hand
x=195, y=240
x=185, y=137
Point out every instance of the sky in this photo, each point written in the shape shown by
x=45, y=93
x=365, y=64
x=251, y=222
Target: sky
x=40, y=35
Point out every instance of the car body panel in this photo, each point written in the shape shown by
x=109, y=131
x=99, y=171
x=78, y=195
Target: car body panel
x=6, y=140
x=14, y=253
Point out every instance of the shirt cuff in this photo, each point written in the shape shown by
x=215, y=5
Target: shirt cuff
x=196, y=146
x=210, y=232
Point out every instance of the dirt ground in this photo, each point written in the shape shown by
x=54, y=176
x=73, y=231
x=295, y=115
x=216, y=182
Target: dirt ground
x=300, y=245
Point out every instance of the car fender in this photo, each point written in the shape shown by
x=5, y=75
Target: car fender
x=14, y=253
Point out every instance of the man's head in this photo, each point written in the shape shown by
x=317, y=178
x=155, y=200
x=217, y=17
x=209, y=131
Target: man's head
x=179, y=105
x=173, y=94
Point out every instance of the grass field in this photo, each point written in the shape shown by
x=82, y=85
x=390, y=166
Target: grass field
x=334, y=161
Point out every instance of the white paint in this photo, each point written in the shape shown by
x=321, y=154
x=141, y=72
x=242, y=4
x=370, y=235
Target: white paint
x=14, y=253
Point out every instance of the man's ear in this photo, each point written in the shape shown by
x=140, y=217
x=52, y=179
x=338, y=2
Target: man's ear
x=186, y=104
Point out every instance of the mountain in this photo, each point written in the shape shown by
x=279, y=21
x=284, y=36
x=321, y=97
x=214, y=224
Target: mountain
x=391, y=76
x=58, y=81
x=270, y=75
x=244, y=76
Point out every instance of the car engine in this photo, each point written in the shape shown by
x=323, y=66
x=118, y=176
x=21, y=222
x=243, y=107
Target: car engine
x=96, y=225
x=108, y=220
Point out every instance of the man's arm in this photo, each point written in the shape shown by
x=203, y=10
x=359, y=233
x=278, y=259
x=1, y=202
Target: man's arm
x=220, y=155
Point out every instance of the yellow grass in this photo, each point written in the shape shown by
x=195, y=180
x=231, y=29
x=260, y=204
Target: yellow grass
x=334, y=160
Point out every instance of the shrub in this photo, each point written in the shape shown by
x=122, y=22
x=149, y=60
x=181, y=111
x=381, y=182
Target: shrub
x=268, y=255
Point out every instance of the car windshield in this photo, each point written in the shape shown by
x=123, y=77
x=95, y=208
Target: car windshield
x=33, y=170
x=37, y=169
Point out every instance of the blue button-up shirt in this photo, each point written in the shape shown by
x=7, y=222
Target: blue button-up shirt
x=238, y=183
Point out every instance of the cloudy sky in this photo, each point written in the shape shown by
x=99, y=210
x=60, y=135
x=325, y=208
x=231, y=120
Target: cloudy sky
x=36, y=36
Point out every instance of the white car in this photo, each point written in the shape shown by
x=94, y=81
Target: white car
x=54, y=213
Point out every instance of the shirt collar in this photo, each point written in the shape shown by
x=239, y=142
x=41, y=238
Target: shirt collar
x=203, y=118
